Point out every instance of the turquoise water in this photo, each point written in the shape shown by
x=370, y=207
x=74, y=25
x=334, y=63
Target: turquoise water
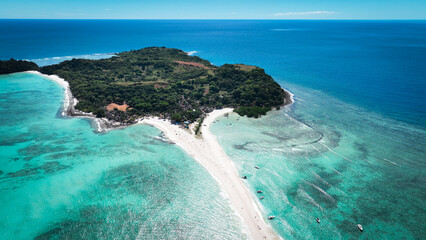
x=378, y=65
x=61, y=180
x=350, y=150
x=321, y=157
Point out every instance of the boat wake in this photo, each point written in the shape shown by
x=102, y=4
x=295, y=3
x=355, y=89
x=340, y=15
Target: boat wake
x=309, y=199
x=393, y=163
x=328, y=196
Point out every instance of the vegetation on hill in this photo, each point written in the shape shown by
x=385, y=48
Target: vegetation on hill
x=166, y=82
x=12, y=66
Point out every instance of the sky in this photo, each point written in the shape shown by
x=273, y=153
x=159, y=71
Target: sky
x=213, y=9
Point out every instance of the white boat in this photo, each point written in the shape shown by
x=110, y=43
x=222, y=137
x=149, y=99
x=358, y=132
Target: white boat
x=262, y=197
x=318, y=220
x=271, y=217
x=256, y=167
x=258, y=191
x=360, y=227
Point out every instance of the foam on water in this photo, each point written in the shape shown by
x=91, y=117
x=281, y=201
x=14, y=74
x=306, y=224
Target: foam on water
x=55, y=60
x=382, y=186
x=59, y=179
x=345, y=178
x=191, y=53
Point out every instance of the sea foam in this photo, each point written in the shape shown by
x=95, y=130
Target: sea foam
x=57, y=59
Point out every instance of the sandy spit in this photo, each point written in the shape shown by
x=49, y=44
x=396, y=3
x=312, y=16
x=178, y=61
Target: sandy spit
x=207, y=151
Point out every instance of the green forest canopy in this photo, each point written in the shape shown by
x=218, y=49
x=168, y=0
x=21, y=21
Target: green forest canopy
x=167, y=82
x=12, y=66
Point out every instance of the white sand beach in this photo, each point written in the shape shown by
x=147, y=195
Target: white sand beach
x=69, y=100
x=102, y=124
x=209, y=153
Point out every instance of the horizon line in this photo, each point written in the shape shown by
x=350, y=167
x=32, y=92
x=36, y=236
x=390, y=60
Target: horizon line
x=310, y=19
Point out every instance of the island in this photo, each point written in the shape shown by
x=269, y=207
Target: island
x=160, y=81
x=150, y=85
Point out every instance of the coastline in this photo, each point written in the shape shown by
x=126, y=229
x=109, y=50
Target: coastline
x=68, y=107
x=104, y=124
x=354, y=93
x=205, y=150
x=289, y=97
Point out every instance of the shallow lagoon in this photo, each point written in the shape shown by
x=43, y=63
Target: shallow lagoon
x=318, y=157
x=61, y=179
x=376, y=66
x=324, y=158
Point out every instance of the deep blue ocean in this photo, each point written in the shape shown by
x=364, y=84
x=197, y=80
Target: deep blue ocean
x=351, y=149
x=379, y=65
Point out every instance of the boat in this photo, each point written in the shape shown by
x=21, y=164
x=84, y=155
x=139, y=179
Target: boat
x=256, y=167
x=244, y=177
x=360, y=227
x=271, y=217
x=318, y=220
x=258, y=191
x=262, y=197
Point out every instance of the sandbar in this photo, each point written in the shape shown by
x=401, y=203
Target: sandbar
x=207, y=151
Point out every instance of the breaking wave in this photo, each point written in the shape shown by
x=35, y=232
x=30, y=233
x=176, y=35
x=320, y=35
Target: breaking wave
x=56, y=60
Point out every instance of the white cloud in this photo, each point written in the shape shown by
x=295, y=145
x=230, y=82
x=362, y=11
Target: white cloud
x=304, y=13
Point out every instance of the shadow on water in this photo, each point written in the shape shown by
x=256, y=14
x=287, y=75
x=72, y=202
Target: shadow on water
x=243, y=146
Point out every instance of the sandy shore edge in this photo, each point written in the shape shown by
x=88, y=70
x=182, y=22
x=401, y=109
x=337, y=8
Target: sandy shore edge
x=68, y=107
x=103, y=124
x=207, y=151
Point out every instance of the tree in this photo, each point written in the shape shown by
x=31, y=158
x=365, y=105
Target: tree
x=176, y=117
